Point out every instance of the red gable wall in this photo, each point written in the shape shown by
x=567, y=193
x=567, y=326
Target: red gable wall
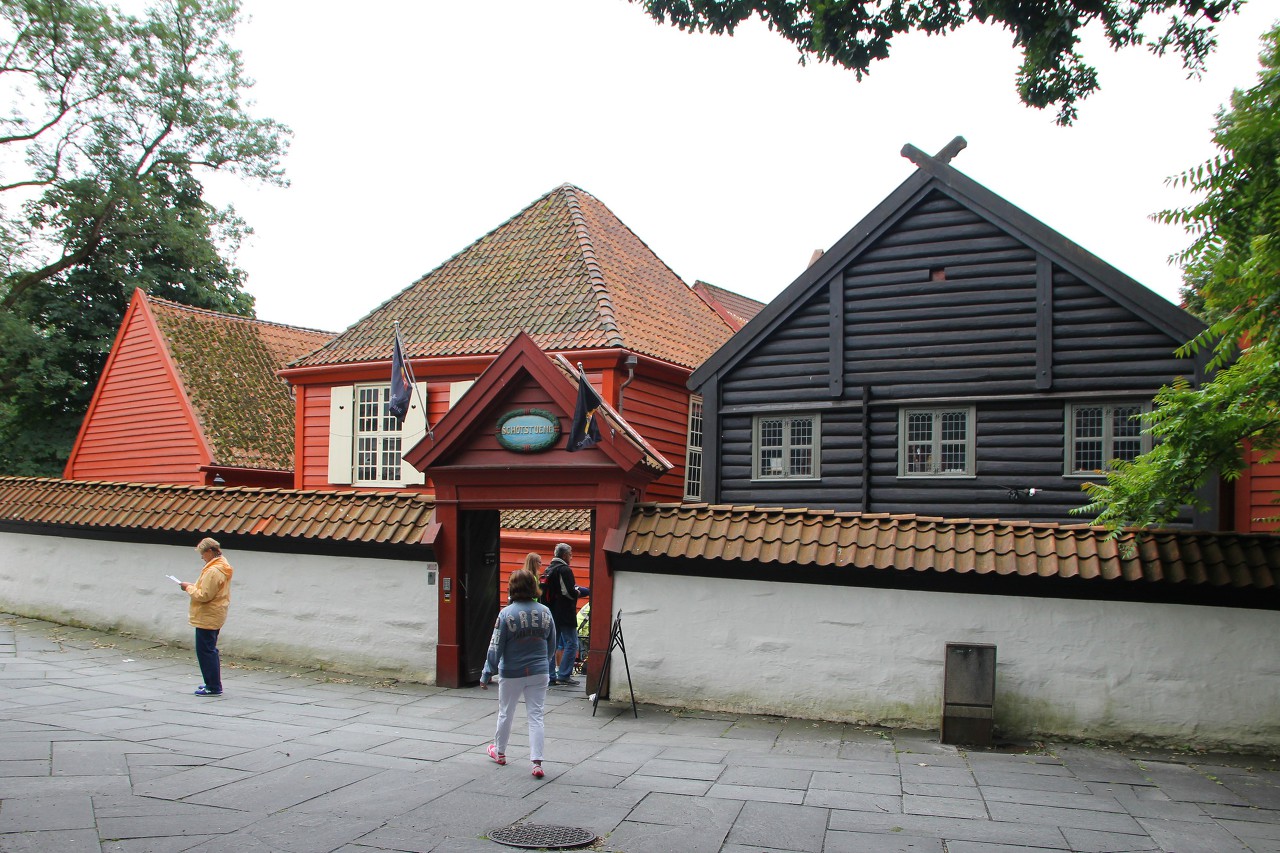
x=138, y=427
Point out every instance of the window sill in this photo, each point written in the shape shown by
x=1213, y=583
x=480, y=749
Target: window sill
x=937, y=476
x=786, y=479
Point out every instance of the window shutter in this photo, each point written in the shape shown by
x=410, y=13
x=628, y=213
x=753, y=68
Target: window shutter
x=457, y=389
x=341, y=422
x=412, y=432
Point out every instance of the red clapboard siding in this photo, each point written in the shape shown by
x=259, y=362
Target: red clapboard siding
x=138, y=427
x=1263, y=484
x=516, y=544
x=312, y=458
x=659, y=411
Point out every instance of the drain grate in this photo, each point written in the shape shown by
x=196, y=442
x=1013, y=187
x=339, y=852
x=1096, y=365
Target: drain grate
x=535, y=836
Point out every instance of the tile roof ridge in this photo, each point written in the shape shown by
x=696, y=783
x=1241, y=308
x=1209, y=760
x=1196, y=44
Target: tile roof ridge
x=604, y=303
x=223, y=315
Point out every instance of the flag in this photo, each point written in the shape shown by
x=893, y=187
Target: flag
x=585, y=431
x=401, y=382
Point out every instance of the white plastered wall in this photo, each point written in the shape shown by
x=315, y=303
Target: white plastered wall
x=355, y=615
x=1167, y=673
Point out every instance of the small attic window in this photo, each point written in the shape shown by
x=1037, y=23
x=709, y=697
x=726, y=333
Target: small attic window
x=938, y=274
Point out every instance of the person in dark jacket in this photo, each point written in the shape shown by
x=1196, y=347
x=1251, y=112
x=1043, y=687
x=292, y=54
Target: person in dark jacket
x=560, y=594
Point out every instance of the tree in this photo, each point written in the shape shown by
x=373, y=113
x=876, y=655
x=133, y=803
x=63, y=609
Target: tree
x=114, y=117
x=1233, y=263
x=854, y=33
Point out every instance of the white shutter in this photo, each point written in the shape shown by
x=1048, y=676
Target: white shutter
x=413, y=431
x=341, y=425
x=457, y=389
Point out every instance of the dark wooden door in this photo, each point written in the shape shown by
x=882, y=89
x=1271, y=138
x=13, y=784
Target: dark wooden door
x=479, y=564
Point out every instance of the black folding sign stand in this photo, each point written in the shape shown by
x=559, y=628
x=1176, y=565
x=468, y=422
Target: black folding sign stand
x=615, y=642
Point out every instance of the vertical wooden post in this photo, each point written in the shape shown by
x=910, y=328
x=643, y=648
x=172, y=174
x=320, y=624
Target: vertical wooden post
x=448, y=660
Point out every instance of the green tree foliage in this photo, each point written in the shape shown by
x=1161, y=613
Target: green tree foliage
x=112, y=118
x=1233, y=264
x=854, y=33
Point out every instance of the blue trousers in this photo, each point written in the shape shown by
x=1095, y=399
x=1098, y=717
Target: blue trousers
x=207, y=655
x=567, y=644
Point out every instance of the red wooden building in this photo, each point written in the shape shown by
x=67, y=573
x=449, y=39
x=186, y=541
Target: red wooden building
x=191, y=397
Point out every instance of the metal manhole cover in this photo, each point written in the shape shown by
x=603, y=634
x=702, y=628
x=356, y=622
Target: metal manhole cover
x=534, y=836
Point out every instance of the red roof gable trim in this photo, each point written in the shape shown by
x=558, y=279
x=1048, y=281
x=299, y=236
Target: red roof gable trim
x=522, y=355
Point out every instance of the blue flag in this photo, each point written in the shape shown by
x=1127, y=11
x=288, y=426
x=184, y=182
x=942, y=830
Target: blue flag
x=585, y=431
x=401, y=382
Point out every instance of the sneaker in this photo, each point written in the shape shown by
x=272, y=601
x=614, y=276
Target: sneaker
x=552, y=683
x=495, y=755
x=205, y=691
x=537, y=771
x=568, y=682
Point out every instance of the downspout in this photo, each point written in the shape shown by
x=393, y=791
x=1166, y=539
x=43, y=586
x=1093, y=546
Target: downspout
x=631, y=361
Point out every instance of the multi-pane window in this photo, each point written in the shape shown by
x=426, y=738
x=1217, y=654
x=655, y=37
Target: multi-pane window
x=1102, y=433
x=693, y=454
x=377, y=436
x=786, y=448
x=936, y=442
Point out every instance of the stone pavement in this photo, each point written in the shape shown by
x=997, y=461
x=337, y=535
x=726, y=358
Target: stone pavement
x=103, y=748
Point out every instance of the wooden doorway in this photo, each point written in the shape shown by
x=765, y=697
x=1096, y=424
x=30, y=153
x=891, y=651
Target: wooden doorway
x=478, y=558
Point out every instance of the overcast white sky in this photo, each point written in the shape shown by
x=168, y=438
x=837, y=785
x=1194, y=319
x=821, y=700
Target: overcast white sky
x=420, y=126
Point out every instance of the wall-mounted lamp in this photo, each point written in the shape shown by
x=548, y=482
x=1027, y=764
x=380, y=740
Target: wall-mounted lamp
x=1020, y=493
x=218, y=481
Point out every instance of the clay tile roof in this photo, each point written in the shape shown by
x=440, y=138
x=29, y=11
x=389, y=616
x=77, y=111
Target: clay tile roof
x=735, y=308
x=855, y=541
x=227, y=366
x=570, y=520
x=566, y=271
x=348, y=516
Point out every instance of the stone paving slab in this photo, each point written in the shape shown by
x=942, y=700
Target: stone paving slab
x=103, y=748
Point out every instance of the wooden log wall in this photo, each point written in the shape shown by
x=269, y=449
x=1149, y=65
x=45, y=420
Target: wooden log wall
x=946, y=308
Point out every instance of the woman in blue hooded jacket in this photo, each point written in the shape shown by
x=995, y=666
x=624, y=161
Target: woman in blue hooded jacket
x=524, y=638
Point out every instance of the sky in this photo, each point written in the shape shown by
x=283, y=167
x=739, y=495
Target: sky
x=421, y=126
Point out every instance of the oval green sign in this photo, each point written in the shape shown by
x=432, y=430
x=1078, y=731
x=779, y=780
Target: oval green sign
x=528, y=430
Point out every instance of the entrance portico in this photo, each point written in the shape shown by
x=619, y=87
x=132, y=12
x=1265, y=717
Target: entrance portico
x=475, y=474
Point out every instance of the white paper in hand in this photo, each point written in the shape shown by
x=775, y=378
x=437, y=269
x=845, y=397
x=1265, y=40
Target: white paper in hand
x=172, y=578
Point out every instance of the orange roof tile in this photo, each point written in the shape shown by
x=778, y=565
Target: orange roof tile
x=346, y=516
x=846, y=541
x=850, y=540
x=733, y=307
x=566, y=271
x=227, y=365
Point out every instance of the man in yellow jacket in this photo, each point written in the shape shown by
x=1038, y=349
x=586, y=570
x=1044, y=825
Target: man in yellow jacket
x=210, y=598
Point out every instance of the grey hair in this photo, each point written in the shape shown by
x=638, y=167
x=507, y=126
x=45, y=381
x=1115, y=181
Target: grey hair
x=208, y=544
x=563, y=550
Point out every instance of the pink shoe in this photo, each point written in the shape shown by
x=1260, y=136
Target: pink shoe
x=537, y=771
x=495, y=755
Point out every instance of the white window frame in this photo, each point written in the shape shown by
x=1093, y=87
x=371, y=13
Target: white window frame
x=911, y=445
x=693, y=451
x=378, y=433
x=1108, y=438
x=785, y=469
x=345, y=435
